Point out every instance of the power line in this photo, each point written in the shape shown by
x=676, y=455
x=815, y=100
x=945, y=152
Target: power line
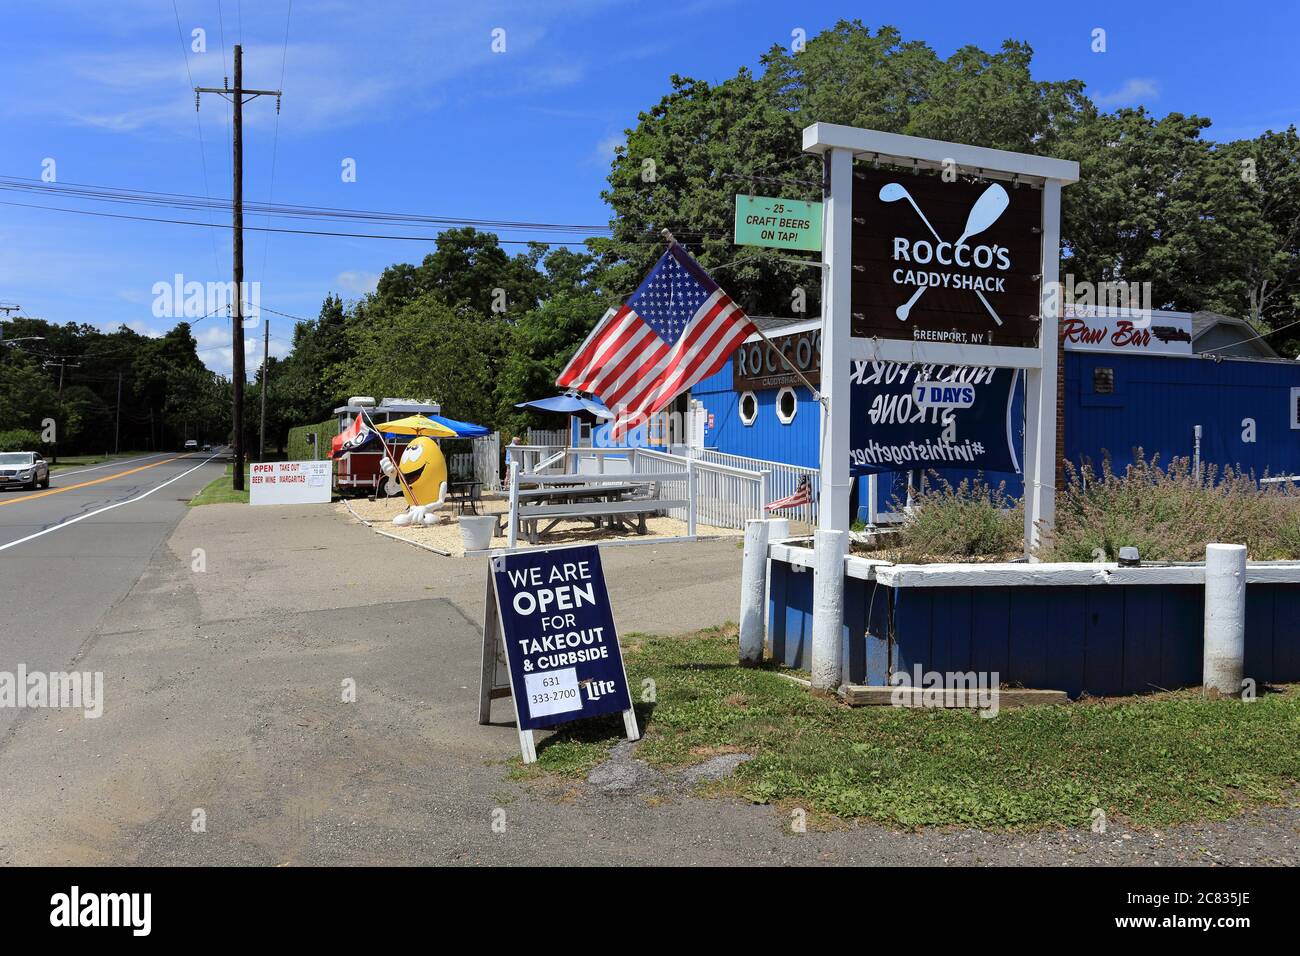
x=300, y=232
x=114, y=194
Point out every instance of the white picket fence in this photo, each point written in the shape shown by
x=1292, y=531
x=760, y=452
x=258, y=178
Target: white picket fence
x=548, y=436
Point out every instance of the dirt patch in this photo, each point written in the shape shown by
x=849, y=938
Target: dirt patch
x=445, y=537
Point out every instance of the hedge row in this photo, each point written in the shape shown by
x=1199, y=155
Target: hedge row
x=297, y=447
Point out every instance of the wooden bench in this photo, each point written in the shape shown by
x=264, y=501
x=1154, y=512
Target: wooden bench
x=595, y=511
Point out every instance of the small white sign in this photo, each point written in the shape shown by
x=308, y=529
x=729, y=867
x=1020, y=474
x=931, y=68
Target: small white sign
x=1295, y=408
x=289, y=483
x=943, y=394
x=553, y=692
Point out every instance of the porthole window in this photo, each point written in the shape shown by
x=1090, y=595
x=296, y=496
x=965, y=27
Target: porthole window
x=787, y=405
x=1103, y=381
x=748, y=407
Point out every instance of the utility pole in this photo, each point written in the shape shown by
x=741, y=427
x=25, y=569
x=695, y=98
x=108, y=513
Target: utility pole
x=117, y=421
x=235, y=96
x=62, y=363
x=266, y=353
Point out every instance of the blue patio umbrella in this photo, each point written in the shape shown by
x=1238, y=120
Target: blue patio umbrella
x=570, y=403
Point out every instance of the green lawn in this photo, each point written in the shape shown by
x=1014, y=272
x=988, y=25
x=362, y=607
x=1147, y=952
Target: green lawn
x=219, y=492
x=1151, y=760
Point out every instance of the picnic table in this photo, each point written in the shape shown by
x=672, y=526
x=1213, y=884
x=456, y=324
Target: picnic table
x=611, y=504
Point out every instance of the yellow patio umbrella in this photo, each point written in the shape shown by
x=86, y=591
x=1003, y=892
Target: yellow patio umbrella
x=416, y=425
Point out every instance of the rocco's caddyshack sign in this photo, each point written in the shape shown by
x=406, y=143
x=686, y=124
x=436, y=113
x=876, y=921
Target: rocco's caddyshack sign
x=781, y=360
x=939, y=261
x=549, y=642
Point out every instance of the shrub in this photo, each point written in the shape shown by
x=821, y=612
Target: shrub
x=20, y=439
x=297, y=448
x=1169, y=514
x=969, y=520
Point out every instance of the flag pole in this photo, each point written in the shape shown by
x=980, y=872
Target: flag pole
x=387, y=451
x=669, y=238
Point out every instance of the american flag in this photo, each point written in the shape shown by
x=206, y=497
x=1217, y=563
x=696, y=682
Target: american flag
x=677, y=328
x=801, y=497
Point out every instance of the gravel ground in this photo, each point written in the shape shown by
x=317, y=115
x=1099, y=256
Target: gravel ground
x=224, y=703
x=446, y=537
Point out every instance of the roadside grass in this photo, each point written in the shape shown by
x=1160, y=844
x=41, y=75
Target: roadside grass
x=219, y=492
x=1149, y=761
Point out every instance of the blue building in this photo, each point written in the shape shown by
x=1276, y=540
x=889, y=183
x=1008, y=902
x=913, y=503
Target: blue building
x=1242, y=399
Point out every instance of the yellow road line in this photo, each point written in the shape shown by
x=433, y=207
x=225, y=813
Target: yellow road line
x=87, y=484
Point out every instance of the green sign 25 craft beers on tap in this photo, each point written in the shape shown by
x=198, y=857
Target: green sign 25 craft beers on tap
x=778, y=223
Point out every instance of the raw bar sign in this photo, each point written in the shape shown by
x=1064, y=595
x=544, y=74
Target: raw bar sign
x=1089, y=330
x=937, y=261
x=907, y=416
x=561, y=646
x=289, y=483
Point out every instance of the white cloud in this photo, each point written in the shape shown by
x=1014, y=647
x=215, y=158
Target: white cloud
x=358, y=283
x=340, y=69
x=605, y=148
x=1134, y=92
x=217, y=354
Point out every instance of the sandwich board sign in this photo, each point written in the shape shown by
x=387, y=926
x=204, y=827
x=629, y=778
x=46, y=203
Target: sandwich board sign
x=550, y=644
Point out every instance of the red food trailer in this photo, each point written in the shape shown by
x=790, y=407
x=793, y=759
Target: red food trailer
x=358, y=471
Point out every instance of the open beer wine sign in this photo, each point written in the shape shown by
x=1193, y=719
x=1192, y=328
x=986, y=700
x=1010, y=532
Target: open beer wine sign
x=548, y=611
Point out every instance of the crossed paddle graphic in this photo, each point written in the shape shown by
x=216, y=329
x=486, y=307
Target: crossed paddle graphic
x=988, y=208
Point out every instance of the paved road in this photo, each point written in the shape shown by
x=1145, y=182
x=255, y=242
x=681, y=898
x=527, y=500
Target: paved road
x=70, y=553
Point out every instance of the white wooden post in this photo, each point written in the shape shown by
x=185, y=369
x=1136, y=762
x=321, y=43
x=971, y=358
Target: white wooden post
x=1225, y=618
x=872, y=493
x=513, y=532
x=837, y=239
x=1040, y=383
x=830, y=548
x=690, y=496
x=765, y=493
x=753, y=587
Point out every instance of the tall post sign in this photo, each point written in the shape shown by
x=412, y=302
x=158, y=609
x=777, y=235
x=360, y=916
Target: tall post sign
x=941, y=253
x=945, y=261
x=549, y=642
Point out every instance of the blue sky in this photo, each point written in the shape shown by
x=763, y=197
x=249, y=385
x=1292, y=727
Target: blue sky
x=438, y=124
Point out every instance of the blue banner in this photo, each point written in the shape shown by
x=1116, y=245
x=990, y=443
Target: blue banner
x=561, y=645
x=917, y=416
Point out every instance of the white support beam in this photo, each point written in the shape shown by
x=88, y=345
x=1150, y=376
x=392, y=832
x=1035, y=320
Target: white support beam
x=1040, y=384
x=837, y=292
x=936, y=154
x=948, y=353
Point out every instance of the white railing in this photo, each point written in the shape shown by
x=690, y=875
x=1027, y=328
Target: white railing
x=725, y=495
x=783, y=481
x=530, y=457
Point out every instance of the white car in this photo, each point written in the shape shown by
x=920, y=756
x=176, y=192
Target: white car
x=191, y=445
x=24, y=468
